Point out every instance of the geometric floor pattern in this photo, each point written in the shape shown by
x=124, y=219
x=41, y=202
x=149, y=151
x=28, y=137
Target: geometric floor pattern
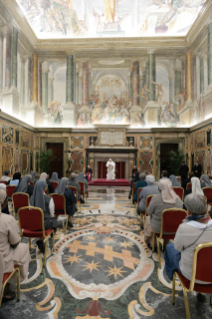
x=101, y=269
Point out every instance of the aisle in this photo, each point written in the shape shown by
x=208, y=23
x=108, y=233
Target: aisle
x=101, y=269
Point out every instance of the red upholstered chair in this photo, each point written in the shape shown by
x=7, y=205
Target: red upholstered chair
x=32, y=183
x=82, y=190
x=19, y=200
x=10, y=190
x=179, y=191
x=75, y=190
x=170, y=221
x=60, y=206
x=144, y=214
x=6, y=278
x=31, y=225
x=4, y=182
x=208, y=194
x=188, y=186
x=54, y=184
x=201, y=270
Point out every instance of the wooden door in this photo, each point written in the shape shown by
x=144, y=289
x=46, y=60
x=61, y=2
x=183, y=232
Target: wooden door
x=57, y=152
x=164, y=157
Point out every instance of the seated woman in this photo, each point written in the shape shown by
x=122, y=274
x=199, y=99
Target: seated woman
x=4, y=210
x=174, y=181
x=196, y=229
x=134, y=180
x=14, y=252
x=166, y=199
x=24, y=186
x=73, y=182
x=150, y=189
x=54, y=177
x=205, y=181
x=45, y=177
x=141, y=183
x=46, y=203
x=70, y=198
x=188, y=180
x=195, y=187
x=88, y=173
x=16, y=179
x=80, y=178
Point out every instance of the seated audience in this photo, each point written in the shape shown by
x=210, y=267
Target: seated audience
x=6, y=177
x=6, y=209
x=16, y=179
x=188, y=180
x=167, y=198
x=196, y=229
x=174, y=181
x=70, y=198
x=73, y=182
x=24, y=186
x=195, y=187
x=14, y=252
x=134, y=180
x=33, y=174
x=150, y=189
x=45, y=177
x=134, y=170
x=88, y=173
x=141, y=183
x=205, y=181
x=46, y=203
x=54, y=177
x=164, y=174
x=80, y=178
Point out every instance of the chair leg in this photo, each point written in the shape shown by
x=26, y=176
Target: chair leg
x=18, y=285
x=211, y=300
x=186, y=304
x=158, y=247
x=30, y=244
x=153, y=242
x=66, y=227
x=140, y=220
x=53, y=241
x=144, y=220
x=1, y=296
x=173, y=289
x=46, y=245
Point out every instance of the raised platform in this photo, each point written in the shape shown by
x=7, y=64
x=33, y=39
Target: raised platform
x=105, y=182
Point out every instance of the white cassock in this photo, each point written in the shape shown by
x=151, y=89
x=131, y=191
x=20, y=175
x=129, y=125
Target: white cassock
x=110, y=170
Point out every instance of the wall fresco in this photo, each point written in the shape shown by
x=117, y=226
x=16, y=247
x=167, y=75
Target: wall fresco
x=7, y=134
x=7, y=159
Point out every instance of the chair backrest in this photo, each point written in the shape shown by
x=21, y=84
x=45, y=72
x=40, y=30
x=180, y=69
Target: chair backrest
x=171, y=219
x=54, y=184
x=59, y=203
x=74, y=189
x=2, y=267
x=20, y=200
x=82, y=187
x=208, y=194
x=10, y=190
x=179, y=191
x=31, y=183
x=148, y=200
x=202, y=260
x=139, y=191
x=4, y=182
x=188, y=186
x=31, y=218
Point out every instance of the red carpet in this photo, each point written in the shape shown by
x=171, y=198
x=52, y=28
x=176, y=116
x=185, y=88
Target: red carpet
x=104, y=182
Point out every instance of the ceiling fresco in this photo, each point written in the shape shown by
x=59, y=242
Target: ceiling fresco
x=110, y=18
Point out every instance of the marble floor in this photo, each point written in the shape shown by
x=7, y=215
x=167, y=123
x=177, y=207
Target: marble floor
x=101, y=269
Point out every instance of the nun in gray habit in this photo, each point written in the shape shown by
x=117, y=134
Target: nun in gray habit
x=54, y=177
x=41, y=200
x=24, y=186
x=69, y=196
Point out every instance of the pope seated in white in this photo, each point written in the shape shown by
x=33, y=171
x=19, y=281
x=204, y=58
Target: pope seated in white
x=110, y=169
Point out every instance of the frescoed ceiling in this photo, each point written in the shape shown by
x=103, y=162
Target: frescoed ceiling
x=110, y=18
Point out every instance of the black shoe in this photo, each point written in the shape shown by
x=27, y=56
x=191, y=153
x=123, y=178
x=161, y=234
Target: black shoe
x=41, y=246
x=201, y=297
x=70, y=225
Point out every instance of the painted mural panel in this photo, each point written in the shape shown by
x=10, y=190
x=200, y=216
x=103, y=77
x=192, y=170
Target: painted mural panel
x=24, y=161
x=76, y=162
x=200, y=158
x=7, y=159
x=77, y=142
x=146, y=142
x=25, y=139
x=208, y=161
x=16, y=159
x=200, y=139
x=7, y=134
x=146, y=162
x=110, y=18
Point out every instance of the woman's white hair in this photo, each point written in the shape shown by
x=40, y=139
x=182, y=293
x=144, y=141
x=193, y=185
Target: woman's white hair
x=150, y=179
x=196, y=204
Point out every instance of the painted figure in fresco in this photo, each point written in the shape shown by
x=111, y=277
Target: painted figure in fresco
x=110, y=169
x=167, y=117
x=144, y=94
x=56, y=112
x=159, y=92
x=180, y=100
x=110, y=10
x=167, y=2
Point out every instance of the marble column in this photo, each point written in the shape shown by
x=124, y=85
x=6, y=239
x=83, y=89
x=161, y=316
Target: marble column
x=151, y=77
x=1, y=64
x=8, y=60
x=23, y=82
x=70, y=79
x=45, y=74
x=30, y=80
x=194, y=78
x=40, y=83
x=202, y=89
x=171, y=89
x=129, y=86
x=14, y=57
x=183, y=67
x=135, y=83
x=85, y=83
x=177, y=82
x=35, y=79
x=210, y=54
x=188, y=76
x=51, y=89
x=77, y=88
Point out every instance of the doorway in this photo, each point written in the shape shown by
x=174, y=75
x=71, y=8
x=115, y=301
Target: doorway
x=164, y=157
x=57, y=164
